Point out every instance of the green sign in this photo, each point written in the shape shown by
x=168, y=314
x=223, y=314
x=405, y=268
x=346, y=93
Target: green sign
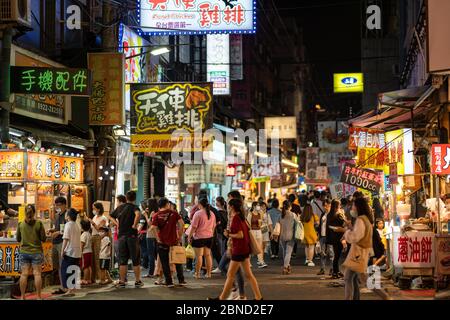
x=261, y=179
x=60, y=81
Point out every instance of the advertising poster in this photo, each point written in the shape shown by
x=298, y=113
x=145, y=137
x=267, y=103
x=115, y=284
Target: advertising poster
x=333, y=136
x=286, y=127
x=362, y=178
x=218, y=63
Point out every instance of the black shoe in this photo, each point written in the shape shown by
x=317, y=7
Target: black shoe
x=120, y=285
x=138, y=284
x=215, y=298
x=169, y=285
x=182, y=283
x=321, y=272
x=340, y=274
x=334, y=276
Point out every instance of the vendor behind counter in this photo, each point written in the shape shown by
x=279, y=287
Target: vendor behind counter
x=5, y=213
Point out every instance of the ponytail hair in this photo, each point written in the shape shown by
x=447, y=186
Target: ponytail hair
x=285, y=209
x=204, y=203
x=30, y=212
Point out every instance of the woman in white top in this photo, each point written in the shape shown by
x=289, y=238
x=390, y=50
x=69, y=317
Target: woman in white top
x=99, y=221
x=360, y=238
x=287, y=235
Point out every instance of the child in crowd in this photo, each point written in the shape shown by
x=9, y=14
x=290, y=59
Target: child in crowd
x=86, y=249
x=382, y=231
x=105, y=256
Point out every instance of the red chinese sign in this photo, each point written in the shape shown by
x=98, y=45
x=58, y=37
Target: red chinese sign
x=440, y=159
x=414, y=250
x=366, y=138
x=362, y=178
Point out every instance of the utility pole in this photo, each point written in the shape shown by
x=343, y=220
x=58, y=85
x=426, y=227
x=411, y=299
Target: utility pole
x=5, y=61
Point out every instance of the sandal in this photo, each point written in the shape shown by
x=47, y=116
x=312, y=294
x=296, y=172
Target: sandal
x=120, y=285
x=58, y=291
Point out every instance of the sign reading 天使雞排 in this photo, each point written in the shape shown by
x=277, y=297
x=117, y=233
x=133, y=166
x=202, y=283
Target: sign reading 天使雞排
x=106, y=104
x=188, y=17
x=47, y=80
x=164, y=108
x=362, y=178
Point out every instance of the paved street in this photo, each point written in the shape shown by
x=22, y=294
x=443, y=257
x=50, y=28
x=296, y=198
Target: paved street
x=302, y=284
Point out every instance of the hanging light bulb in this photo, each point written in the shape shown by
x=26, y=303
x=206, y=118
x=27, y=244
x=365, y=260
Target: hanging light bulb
x=72, y=154
x=106, y=173
x=112, y=167
x=111, y=178
x=101, y=167
x=100, y=178
x=55, y=152
x=67, y=153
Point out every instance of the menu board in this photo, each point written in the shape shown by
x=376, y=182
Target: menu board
x=49, y=167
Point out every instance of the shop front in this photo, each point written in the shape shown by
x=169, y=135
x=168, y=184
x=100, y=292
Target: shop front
x=37, y=178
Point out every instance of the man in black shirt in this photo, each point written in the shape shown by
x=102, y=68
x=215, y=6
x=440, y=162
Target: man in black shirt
x=128, y=216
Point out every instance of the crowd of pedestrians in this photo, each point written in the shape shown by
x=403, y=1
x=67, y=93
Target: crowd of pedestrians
x=223, y=236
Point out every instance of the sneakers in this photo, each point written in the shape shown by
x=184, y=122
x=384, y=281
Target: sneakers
x=321, y=272
x=273, y=257
x=262, y=265
x=216, y=271
x=182, y=283
x=311, y=264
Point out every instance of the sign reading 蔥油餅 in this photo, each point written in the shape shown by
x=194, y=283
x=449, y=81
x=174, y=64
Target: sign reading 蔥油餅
x=12, y=165
x=414, y=250
x=348, y=82
x=47, y=80
x=158, y=110
x=106, y=104
x=440, y=159
x=362, y=178
x=182, y=17
x=49, y=167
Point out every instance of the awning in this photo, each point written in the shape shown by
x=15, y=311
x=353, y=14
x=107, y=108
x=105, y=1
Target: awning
x=57, y=137
x=396, y=109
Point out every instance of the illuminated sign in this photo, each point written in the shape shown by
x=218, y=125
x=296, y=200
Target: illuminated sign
x=43, y=80
x=107, y=99
x=190, y=17
x=348, y=82
x=399, y=149
x=286, y=126
x=12, y=165
x=440, y=159
x=49, y=167
x=218, y=63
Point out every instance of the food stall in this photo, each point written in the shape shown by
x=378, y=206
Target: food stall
x=37, y=178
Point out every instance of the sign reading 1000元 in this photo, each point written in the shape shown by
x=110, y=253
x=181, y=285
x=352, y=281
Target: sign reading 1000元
x=60, y=81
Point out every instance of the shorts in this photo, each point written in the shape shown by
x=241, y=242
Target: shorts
x=129, y=249
x=35, y=259
x=87, y=260
x=105, y=264
x=201, y=243
x=240, y=257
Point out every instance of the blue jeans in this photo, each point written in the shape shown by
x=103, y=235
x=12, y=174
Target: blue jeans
x=144, y=253
x=223, y=266
x=151, y=252
x=35, y=259
x=287, y=247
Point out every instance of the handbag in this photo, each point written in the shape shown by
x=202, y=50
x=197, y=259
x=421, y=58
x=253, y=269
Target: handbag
x=190, y=253
x=277, y=229
x=177, y=255
x=255, y=247
x=299, y=231
x=356, y=260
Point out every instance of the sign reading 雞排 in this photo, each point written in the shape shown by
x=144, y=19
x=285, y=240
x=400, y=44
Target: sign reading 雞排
x=43, y=80
x=362, y=178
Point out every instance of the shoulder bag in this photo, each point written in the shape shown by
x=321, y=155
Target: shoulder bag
x=255, y=247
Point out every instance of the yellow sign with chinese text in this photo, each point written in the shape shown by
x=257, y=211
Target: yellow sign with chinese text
x=48, y=167
x=12, y=165
x=106, y=104
x=167, y=143
x=370, y=158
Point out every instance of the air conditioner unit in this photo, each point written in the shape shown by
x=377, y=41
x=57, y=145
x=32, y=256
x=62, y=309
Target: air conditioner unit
x=15, y=11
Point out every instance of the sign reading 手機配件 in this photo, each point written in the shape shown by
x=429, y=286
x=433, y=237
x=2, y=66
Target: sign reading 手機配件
x=43, y=80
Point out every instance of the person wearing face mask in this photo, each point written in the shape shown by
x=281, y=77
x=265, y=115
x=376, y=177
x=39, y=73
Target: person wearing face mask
x=56, y=233
x=97, y=222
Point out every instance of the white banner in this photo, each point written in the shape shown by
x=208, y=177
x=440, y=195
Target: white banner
x=286, y=126
x=218, y=63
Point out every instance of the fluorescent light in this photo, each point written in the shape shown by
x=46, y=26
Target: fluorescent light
x=159, y=51
x=289, y=163
x=261, y=155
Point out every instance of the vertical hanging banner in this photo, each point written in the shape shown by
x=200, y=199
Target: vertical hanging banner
x=236, y=57
x=106, y=105
x=218, y=63
x=190, y=17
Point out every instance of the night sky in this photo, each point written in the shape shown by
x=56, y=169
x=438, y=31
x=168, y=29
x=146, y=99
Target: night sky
x=332, y=38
